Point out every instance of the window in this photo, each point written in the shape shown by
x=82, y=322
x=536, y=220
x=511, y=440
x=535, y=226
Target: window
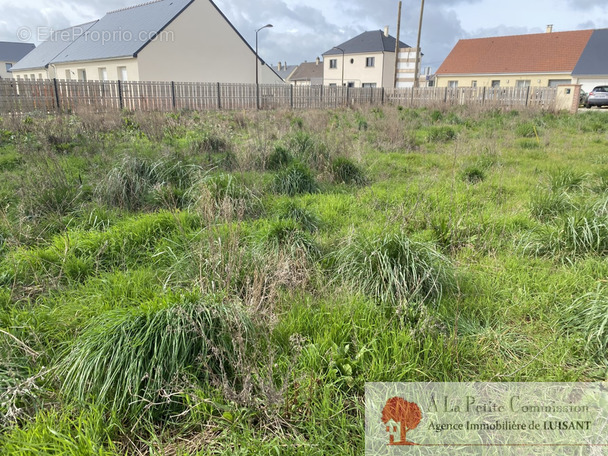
x=82, y=75
x=556, y=82
x=522, y=83
x=122, y=73
x=473, y=84
x=333, y=84
x=103, y=74
x=495, y=83
x=370, y=61
x=453, y=84
x=9, y=66
x=40, y=76
x=68, y=75
x=350, y=84
x=333, y=63
x=33, y=77
x=369, y=85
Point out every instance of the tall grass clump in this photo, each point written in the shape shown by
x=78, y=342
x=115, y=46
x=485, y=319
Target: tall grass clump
x=589, y=315
x=570, y=238
x=566, y=179
x=548, y=205
x=223, y=196
x=346, y=171
x=278, y=158
x=439, y=134
x=294, y=180
x=136, y=183
x=131, y=359
x=393, y=268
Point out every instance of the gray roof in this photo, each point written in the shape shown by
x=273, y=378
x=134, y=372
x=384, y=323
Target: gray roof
x=308, y=71
x=120, y=33
x=123, y=33
x=13, y=52
x=285, y=71
x=374, y=41
x=44, y=54
x=593, y=60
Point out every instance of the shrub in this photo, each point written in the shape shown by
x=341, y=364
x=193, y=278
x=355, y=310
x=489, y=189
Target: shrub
x=129, y=359
x=393, y=268
x=346, y=171
x=294, y=180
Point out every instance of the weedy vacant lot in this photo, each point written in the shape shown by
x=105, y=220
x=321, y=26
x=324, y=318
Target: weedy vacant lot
x=226, y=283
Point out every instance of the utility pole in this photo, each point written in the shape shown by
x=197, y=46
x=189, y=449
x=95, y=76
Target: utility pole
x=418, y=53
x=397, y=45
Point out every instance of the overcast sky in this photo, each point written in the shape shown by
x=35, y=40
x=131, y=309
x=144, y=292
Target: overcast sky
x=304, y=30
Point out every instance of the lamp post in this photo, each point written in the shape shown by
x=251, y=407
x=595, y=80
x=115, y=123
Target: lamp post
x=341, y=50
x=257, y=85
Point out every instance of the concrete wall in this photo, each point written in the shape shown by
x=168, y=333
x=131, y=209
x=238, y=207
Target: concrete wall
x=506, y=80
x=201, y=46
x=567, y=98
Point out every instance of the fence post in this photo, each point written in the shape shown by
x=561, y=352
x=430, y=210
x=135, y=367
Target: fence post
x=382, y=97
x=291, y=95
x=527, y=95
x=219, y=96
x=120, y=100
x=347, y=95
x=173, y=102
x=56, y=94
x=483, y=97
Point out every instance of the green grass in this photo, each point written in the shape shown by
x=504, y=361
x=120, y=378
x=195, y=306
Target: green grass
x=227, y=282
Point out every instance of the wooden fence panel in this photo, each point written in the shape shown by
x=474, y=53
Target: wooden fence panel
x=47, y=96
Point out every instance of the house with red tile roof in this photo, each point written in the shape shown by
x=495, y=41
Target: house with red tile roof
x=537, y=60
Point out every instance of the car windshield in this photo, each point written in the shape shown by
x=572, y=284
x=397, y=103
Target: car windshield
x=601, y=89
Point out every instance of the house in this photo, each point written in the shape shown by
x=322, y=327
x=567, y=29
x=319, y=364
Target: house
x=307, y=74
x=537, y=60
x=163, y=40
x=11, y=53
x=368, y=60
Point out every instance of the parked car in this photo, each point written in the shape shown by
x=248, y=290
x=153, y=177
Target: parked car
x=597, y=97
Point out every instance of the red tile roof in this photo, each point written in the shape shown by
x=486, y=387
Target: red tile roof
x=539, y=53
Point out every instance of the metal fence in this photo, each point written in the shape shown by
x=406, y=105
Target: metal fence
x=17, y=96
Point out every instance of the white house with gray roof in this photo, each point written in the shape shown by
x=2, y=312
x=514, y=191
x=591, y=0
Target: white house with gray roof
x=11, y=53
x=368, y=60
x=163, y=40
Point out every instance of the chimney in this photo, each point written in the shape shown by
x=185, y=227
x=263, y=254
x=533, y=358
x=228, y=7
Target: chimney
x=386, y=31
x=550, y=28
x=279, y=66
x=318, y=60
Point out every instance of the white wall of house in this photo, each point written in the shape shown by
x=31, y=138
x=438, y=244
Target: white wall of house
x=110, y=70
x=357, y=69
x=200, y=45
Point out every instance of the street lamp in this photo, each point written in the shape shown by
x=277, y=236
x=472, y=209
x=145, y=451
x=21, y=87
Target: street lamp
x=342, y=50
x=257, y=85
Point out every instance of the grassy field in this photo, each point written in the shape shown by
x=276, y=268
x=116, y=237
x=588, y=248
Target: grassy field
x=226, y=283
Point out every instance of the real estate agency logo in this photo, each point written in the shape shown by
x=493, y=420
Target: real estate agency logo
x=400, y=417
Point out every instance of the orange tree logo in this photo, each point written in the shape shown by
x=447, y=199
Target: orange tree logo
x=400, y=416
